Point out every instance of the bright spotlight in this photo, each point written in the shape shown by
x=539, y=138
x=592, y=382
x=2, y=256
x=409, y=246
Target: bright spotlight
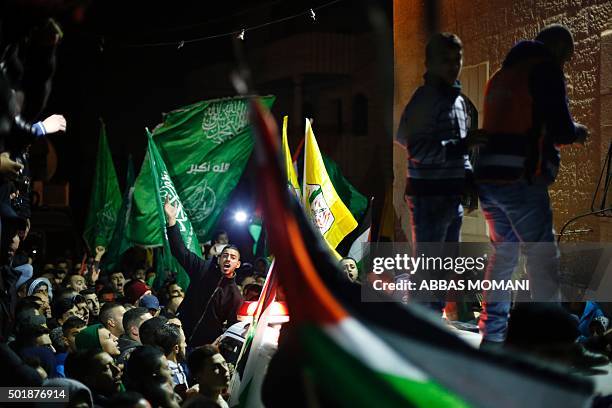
x=240, y=216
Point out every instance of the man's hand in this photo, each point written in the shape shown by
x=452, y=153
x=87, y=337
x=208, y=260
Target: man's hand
x=582, y=133
x=476, y=138
x=54, y=124
x=9, y=167
x=170, y=211
x=93, y=273
x=100, y=250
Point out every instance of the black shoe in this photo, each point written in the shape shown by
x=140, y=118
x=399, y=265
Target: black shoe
x=491, y=345
x=580, y=357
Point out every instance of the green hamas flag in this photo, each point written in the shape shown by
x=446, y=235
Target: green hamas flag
x=105, y=198
x=120, y=243
x=147, y=225
x=206, y=147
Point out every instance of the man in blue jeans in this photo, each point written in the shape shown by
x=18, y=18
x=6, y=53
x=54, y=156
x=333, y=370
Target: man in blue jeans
x=434, y=130
x=526, y=116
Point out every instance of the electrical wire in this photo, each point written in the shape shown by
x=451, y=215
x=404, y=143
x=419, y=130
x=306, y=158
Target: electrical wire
x=233, y=33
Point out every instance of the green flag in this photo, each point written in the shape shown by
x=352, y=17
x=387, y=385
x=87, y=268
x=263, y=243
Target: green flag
x=160, y=186
x=105, y=198
x=206, y=147
x=120, y=243
x=147, y=223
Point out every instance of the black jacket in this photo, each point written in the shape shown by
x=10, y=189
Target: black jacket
x=211, y=299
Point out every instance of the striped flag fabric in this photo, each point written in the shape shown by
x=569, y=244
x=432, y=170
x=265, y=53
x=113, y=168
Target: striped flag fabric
x=341, y=351
x=292, y=180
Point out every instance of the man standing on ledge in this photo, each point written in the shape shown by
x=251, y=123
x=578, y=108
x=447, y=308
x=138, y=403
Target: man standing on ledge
x=526, y=116
x=213, y=298
x=434, y=130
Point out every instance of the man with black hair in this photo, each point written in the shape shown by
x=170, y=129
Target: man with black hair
x=71, y=327
x=213, y=298
x=130, y=339
x=171, y=341
x=147, y=372
x=111, y=317
x=93, y=304
x=149, y=329
x=211, y=372
x=117, y=281
x=31, y=335
x=97, y=370
x=63, y=309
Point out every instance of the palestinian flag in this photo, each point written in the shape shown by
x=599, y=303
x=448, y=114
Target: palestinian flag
x=340, y=351
x=245, y=386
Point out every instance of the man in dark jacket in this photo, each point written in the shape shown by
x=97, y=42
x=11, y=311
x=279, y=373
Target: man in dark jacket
x=213, y=298
x=526, y=116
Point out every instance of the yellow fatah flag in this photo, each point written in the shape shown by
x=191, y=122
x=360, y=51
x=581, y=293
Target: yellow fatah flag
x=321, y=202
x=292, y=180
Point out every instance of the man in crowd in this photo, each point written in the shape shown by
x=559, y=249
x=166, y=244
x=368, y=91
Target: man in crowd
x=76, y=282
x=97, y=370
x=130, y=339
x=172, y=342
x=213, y=298
x=210, y=371
x=111, y=316
x=117, y=280
x=71, y=327
x=93, y=304
x=97, y=337
x=349, y=266
x=63, y=309
x=151, y=303
x=147, y=372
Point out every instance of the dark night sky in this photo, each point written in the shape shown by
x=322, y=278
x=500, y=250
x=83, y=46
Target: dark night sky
x=130, y=87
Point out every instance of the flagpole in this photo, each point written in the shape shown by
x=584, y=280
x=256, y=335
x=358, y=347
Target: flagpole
x=160, y=210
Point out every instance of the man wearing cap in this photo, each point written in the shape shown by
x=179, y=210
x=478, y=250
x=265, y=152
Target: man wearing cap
x=135, y=290
x=213, y=298
x=151, y=303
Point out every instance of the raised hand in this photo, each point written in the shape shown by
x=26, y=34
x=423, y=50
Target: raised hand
x=170, y=211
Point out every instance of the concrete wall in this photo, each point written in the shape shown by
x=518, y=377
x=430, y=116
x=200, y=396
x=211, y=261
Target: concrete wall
x=488, y=30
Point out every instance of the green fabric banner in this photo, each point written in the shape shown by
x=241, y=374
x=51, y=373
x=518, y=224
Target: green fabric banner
x=206, y=147
x=120, y=243
x=105, y=198
x=147, y=225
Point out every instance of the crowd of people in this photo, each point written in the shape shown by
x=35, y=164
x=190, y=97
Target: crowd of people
x=111, y=339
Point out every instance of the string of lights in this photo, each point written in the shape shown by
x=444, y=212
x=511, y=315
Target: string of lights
x=240, y=33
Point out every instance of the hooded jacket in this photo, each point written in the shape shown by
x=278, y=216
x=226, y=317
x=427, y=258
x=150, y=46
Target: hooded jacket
x=526, y=116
